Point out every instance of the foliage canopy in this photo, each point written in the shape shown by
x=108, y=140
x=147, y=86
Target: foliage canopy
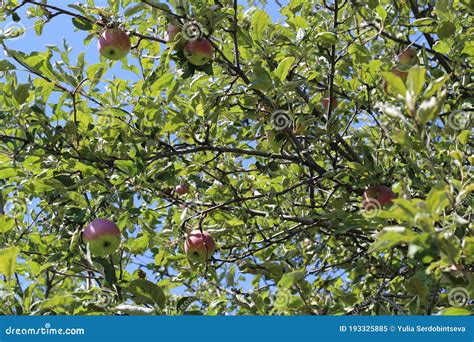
x=276, y=169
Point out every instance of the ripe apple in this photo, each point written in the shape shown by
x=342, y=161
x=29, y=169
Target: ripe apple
x=376, y=196
x=114, y=44
x=181, y=189
x=325, y=102
x=171, y=33
x=102, y=236
x=407, y=57
x=199, y=247
x=199, y=51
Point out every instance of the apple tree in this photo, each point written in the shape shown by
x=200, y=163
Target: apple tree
x=224, y=157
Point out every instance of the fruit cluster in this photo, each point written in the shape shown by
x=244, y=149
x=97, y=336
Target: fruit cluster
x=197, y=50
x=114, y=44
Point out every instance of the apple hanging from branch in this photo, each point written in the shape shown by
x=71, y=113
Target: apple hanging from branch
x=325, y=102
x=102, y=236
x=376, y=196
x=171, y=33
x=407, y=57
x=114, y=43
x=181, y=189
x=199, y=247
x=198, y=52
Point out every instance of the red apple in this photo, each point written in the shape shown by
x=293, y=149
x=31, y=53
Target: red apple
x=325, y=102
x=376, y=196
x=171, y=33
x=102, y=236
x=199, y=51
x=181, y=189
x=407, y=56
x=114, y=44
x=199, y=247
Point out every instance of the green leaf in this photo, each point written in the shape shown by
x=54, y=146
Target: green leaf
x=456, y=312
x=442, y=47
x=147, y=292
x=434, y=86
x=416, y=285
x=134, y=9
x=8, y=173
x=6, y=65
x=391, y=237
x=8, y=261
x=6, y=223
x=416, y=80
x=284, y=68
x=427, y=110
x=423, y=22
x=394, y=82
x=442, y=6
x=446, y=30
x=163, y=82
x=126, y=166
x=57, y=301
x=82, y=24
x=327, y=38
x=21, y=93
x=260, y=78
x=437, y=200
x=289, y=279
x=260, y=22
